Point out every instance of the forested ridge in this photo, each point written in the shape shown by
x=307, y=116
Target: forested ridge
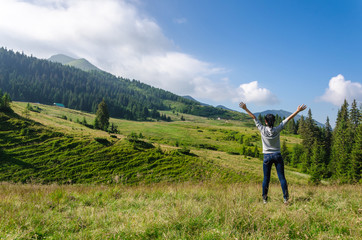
x=34, y=80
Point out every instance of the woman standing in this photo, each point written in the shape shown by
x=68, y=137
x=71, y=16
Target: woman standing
x=270, y=137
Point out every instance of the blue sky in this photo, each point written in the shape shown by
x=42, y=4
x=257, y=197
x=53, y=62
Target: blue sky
x=292, y=48
x=270, y=54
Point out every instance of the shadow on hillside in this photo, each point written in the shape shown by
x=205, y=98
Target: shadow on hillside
x=6, y=159
x=11, y=125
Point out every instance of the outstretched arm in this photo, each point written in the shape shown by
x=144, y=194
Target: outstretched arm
x=243, y=106
x=299, y=109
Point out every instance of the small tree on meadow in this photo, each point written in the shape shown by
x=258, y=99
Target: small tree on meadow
x=102, y=116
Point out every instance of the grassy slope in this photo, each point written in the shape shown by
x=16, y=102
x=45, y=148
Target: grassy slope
x=75, y=156
x=39, y=154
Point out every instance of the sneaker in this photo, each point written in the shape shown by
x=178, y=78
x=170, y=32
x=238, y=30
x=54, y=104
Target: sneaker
x=285, y=201
x=265, y=201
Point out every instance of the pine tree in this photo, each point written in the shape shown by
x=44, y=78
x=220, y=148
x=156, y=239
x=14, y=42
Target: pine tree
x=341, y=145
x=356, y=156
x=309, y=133
x=296, y=155
x=5, y=101
x=356, y=152
x=102, y=116
x=301, y=126
x=317, y=163
x=291, y=127
x=327, y=143
x=355, y=116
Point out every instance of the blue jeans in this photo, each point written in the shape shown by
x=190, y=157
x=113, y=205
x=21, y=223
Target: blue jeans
x=277, y=159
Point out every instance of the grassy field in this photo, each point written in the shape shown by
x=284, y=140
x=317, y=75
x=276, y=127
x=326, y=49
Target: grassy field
x=178, y=211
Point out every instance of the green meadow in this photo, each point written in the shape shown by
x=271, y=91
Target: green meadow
x=178, y=211
x=155, y=180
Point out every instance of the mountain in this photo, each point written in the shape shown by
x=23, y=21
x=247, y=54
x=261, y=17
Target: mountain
x=283, y=114
x=193, y=99
x=223, y=107
x=35, y=80
x=81, y=63
x=205, y=104
x=61, y=58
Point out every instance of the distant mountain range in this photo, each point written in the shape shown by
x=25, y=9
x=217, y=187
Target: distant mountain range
x=81, y=63
x=193, y=99
x=205, y=104
x=283, y=114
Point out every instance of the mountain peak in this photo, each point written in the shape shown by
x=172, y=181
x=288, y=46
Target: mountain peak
x=81, y=63
x=61, y=58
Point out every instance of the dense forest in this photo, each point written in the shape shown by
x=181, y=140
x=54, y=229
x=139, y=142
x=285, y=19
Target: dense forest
x=34, y=80
x=330, y=154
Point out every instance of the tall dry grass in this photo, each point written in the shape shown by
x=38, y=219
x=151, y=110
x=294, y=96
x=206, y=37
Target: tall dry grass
x=178, y=211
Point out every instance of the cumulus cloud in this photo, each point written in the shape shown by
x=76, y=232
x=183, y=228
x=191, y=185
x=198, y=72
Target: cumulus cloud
x=251, y=92
x=340, y=89
x=118, y=37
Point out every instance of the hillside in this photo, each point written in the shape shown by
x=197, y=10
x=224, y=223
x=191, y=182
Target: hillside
x=51, y=146
x=48, y=82
x=81, y=63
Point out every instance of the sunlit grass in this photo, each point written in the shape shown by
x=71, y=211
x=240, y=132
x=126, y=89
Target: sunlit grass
x=178, y=211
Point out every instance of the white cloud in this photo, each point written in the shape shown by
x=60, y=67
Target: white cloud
x=340, y=89
x=116, y=36
x=251, y=92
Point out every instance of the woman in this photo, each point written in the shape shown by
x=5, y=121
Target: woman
x=270, y=137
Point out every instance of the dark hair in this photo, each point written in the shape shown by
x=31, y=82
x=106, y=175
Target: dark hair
x=270, y=119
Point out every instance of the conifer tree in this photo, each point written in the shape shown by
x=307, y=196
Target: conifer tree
x=102, y=116
x=309, y=133
x=341, y=146
x=356, y=156
x=5, y=101
x=317, y=164
x=356, y=152
x=296, y=155
x=291, y=127
x=354, y=117
x=301, y=126
x=327, y=142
